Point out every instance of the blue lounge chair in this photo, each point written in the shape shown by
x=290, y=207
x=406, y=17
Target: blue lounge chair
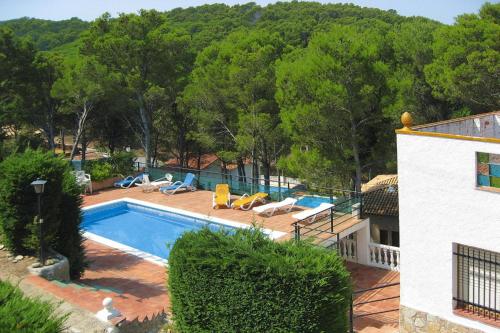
x=186, y=184
x=129, y=181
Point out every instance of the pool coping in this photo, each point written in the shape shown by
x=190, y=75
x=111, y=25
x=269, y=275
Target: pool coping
x=273, y=234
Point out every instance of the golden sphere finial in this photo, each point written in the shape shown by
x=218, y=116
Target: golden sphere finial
x=406, y=120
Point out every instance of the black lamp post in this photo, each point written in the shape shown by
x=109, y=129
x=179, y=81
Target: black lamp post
x=39, y=186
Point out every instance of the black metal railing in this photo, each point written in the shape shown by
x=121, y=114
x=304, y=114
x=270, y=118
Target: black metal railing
x=353, y=316
x=478, y=282
x=321, y=227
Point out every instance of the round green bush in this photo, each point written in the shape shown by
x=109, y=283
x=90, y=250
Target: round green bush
x=61, y=203
x=244, y=282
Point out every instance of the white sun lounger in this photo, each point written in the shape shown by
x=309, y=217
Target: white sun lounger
x=312, y=212
x=272, y=207
x=150, y=186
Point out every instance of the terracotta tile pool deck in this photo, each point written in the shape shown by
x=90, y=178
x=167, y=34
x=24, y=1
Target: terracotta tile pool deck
x=138, y=287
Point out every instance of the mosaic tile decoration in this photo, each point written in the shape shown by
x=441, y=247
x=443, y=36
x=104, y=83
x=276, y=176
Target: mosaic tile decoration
x=488, y=169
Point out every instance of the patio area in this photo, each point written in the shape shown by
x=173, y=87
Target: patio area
x=138, y=287
x=197, y=202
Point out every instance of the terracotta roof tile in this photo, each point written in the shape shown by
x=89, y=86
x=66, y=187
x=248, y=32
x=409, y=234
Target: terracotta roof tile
x=382, y=198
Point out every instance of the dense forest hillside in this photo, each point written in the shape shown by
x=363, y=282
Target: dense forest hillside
x=312, y=90
x=46, y=34
x=296, y=21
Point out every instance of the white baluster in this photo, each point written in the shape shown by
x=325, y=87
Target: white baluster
x=397, y=261
x=382, y=256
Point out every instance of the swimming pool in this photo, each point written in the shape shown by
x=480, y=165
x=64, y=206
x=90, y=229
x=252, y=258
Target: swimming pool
x=313, y=201
x=146, y=229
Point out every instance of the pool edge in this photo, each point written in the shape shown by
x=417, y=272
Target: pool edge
x=272, y=234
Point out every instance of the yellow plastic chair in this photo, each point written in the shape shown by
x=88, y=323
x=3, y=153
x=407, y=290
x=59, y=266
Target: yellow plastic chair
x=221, y=196
x=247, y=201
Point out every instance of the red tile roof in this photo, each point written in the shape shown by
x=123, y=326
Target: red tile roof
x=382, y=196
x=232, y=166
x=205, y=161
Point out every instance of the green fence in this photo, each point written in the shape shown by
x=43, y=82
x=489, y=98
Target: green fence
x=278, y=190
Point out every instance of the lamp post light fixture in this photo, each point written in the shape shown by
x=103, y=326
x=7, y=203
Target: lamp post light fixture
x=39, y=186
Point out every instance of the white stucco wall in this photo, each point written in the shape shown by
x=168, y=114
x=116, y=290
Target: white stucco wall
x=439, y=205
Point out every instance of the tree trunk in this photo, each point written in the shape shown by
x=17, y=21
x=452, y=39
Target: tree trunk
x=155, y=151
x=255, y=168
x=84, y=148
x=355, y=153
x=49, y=130
x=223, y=169
x=181, y=146
x=241, y=170
x=63, y=143
x=49, y=133
x=199, y=164
x=110, y=136
x=80, y=128
x=266, y=164
x=146, y=130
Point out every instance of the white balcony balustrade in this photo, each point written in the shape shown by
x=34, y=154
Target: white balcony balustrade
x=384, y=256
x=347, y=249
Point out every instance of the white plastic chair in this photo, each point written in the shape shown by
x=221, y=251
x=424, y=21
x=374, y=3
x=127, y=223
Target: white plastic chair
x=150, y=186
x=83, y=179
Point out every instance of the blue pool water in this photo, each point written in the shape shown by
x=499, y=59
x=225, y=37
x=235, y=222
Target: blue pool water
x=312, y=201
x=144, y=228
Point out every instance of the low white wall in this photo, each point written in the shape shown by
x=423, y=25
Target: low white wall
x=439, y=205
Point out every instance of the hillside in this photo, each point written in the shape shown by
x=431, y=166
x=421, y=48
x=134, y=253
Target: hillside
x=47, y=34
x=295, y=21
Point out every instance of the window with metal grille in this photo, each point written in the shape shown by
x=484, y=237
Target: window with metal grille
x=478, y=282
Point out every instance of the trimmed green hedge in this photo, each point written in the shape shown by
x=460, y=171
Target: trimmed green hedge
x=60, y=207
x=24, y=315
x=244, y=282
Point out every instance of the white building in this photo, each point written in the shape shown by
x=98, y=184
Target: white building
x=449, y=215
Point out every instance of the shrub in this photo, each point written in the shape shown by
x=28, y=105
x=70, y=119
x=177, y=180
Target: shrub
x=101, y=171
x=244, y=282
x=122, y=162
x=60, y=206
x=24, y=315
x=119, y=164
x=25, y=138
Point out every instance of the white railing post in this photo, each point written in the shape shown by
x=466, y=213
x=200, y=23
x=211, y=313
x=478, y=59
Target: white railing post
x=362, y=246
